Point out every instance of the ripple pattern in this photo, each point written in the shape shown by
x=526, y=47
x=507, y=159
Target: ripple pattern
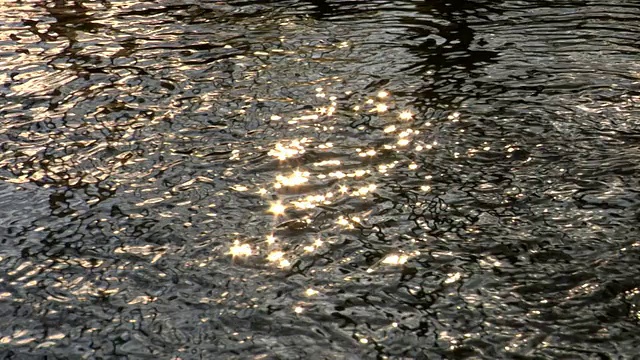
x=319, y=179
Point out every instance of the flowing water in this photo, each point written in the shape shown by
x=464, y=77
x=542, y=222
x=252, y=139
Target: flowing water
x=185, y=179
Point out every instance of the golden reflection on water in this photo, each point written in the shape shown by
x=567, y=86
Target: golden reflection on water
x=271, y=239
x=301, y=189
x=311, y=292
x=240, y=250
x=395, y=259
x=405, y=115
x=287, y=150
x=381, y=108
x=311, y=201
x=291, y=196
x=284, y=150
x=277, y=208
x=351, y=182
x=291, y=180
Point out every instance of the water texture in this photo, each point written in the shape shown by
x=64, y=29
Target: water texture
x=319, y=179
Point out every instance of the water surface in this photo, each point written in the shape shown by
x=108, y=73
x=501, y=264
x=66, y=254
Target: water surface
x=319, y=179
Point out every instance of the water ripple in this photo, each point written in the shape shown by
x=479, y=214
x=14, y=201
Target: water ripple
x=319, y=179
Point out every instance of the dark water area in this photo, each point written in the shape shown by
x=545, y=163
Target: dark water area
x=319, y=179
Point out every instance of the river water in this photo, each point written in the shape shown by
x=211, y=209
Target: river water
x=319, y=179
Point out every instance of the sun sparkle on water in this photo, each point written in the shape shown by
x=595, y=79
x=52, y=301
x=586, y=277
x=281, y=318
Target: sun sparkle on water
x=296, y=178
x=277, y=208
x=240, y=249
x=381, y=107
x=271, y=239
x=395, y=259
x=284, y=263
x=284, y=151
x=406, y=115
x=390, y=128
x=275, y=256
x=288, y=149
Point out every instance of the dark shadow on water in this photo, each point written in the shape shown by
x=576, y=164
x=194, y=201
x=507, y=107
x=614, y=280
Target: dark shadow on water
x=451, y=51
